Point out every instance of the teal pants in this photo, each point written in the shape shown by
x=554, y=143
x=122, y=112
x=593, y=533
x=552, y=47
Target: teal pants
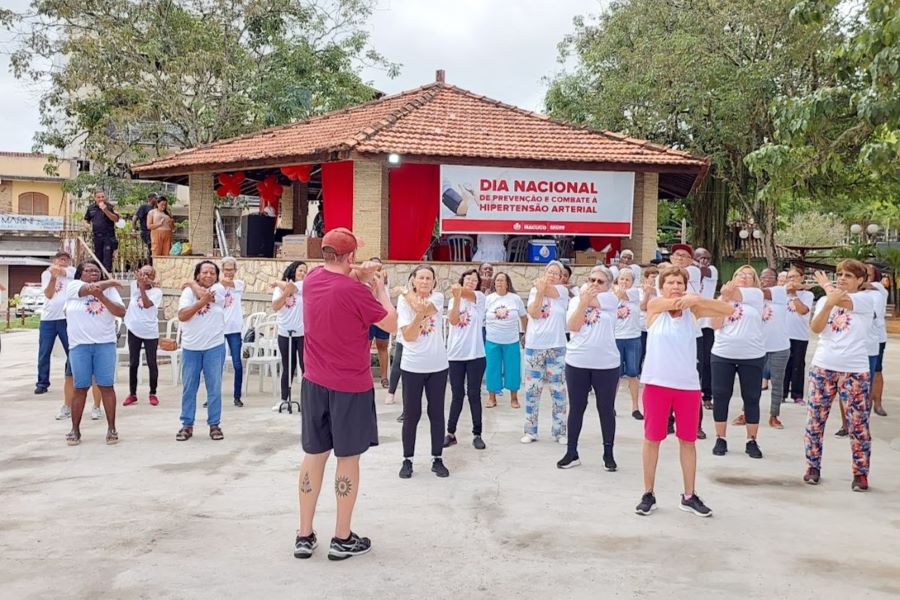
x=504, y=366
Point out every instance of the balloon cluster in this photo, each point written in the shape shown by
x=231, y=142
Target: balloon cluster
x=230, y=184
x=269, y=192
x=297, y=172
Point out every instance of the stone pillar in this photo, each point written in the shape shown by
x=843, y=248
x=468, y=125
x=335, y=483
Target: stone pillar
x=201, y=213
x=286, y=208
x=643, y=221
x=370, y=206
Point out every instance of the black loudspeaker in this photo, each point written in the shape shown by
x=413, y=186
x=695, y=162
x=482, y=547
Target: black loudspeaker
x=258, y=235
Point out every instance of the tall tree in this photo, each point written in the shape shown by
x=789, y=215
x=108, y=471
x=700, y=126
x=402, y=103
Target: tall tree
x=127, y=80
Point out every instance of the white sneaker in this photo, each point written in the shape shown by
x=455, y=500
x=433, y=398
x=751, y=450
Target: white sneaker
x=276, y=406
x=96, y=413
x=64, y=413
x=562, y=440
x=528, y=438
x=389, y=399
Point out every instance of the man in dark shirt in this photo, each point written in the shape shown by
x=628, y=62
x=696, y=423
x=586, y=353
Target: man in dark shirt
x=102, y=218
x=140, y=219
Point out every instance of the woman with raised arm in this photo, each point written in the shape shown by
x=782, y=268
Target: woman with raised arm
x=142, y=322
x=394, y=379
x=423, y=367
x=287, y=302
x=672, y=383
x=382, y=338
x=505, y=318
x=628, y=334
x=545, y=352
x=592, y=363
x=234, y=322
x=800, y=303
x=465, y=352
x=840, y=368
x=92, y=306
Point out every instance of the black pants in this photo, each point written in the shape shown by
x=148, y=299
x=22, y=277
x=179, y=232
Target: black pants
x=134, y=362
x=795, y=373
x=434, y=385
x=643, y=351
x=294, y=353
x=465, y=380
x=145, y=237
x=704, y=352
x=749, y=372
x=604, y=383
x=104, y=246
x=395, y=368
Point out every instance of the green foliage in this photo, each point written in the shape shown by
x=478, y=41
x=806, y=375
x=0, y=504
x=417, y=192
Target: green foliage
x=812, y=228
x=126, y=193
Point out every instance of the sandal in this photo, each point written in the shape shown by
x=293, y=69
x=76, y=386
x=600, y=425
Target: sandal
x=73, y=439
x=491, y=401
x=215, y=433
x=112, y=437
x=184, y=434
x=514, y=403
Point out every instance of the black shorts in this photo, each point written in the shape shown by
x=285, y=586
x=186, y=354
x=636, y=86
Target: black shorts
x=341, y=421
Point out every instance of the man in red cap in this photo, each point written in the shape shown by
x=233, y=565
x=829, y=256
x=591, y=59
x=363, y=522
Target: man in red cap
x=341, y=301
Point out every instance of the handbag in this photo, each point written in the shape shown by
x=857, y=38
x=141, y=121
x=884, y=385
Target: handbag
x=168, y=344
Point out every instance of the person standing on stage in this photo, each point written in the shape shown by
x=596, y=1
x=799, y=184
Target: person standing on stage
x=140, y=220
x=161, y=224
x=102, y=219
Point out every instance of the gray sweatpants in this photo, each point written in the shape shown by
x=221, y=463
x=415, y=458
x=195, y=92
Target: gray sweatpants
x=777, y=362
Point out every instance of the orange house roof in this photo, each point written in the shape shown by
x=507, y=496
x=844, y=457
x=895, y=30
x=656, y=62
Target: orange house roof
x=438, y=123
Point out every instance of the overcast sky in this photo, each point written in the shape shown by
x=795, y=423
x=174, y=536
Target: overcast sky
x=499, y=48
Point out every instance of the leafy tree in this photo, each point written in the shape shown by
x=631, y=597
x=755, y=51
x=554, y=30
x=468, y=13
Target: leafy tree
x=813, y=228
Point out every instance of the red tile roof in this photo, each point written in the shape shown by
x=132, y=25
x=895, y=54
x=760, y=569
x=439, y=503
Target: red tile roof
x=438, y=121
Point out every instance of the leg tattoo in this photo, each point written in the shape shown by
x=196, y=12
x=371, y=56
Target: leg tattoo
x=305, y=485
x=343, y=486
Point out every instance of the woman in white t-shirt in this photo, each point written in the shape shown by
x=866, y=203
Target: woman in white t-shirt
x=423, y=367
x=592, y=363
x=628, y=334
x=234, y=322
x=799, y=308
x=92, y=306
x=777, y=342
x=505, y=319
x=877, y=338
x=739, y=350
x=287, y=302
x=201, y=310
x=143, y=331
x=545, y=352
x=840, y=368
x=465, y=353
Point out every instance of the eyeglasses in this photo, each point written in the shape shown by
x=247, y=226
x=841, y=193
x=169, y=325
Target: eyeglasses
x=596, y=280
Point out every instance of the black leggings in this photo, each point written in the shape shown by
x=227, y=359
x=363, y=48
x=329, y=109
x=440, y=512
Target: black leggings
x=295, y=353
x=395, y=368
x=604, y=383
x=134, y=362
x=795, y=373
x=434, y=385
x=704, y=352
x=465, y=380
x=749, y=371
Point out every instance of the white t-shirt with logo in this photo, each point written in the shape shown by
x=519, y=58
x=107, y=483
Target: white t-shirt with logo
x=465, y=340
x=628, y=316
x=707, y=289
x=206, y=329
x=234, y=313
x=774, y=318
x=55, y=307
x=502, y=314
x=843, y=343
x=425, y=354
x=797, y=324
x=548, y=331
x=741, y=335
x=878, y=331
x=594, y=345
x=88, y=321
x=290, y=316
x=142, y=320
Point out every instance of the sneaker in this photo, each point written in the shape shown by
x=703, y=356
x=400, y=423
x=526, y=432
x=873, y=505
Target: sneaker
x=799, y=400
x=304, y=546
x=449, y=440
x=841, y=433
x=647, y=504
x=562, y=440
x=40, y=390
x=129, y=400
x=637, y=415
x=609, y=463
x=860, y=484
x=812, y=476
x=406, y=469
x=401, y=417
x=352, y=546
x=154, y=400
x=753, y=449
x=721, y=447
x=695, y=505
x=389, y=398
x=701, y=435
x=478, y=443
x=238, y=403
x=64, y=413
x=528, y=438
x=438, y=468
x=96, y=413
x=568, y=461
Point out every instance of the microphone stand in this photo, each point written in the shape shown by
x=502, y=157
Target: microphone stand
x=291, y=371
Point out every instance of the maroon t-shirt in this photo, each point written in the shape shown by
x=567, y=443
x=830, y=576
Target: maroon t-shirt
x=337, y=313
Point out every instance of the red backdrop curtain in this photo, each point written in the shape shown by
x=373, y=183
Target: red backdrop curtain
x=414, y=194
x=337, y=194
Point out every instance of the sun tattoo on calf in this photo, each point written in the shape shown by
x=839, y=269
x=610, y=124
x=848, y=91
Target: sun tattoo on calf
x=305, y=485
x=343, y=486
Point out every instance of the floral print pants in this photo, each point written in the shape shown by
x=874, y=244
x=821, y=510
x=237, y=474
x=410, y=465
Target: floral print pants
x=852, y=390
x=545, y=366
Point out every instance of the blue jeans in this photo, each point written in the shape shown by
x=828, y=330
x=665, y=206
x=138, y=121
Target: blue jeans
x=235, y=342
x=630, y=351
x=47, y=333
x=504, y=366
x=209, y=362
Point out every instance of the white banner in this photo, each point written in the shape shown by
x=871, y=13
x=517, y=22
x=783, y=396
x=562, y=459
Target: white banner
x=10, y=222
x=535, y=201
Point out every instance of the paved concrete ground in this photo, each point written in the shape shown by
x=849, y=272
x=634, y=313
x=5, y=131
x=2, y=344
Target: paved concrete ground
x=152, y=518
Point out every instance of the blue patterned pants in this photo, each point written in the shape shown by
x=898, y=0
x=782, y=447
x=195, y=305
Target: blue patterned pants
x=545, y=366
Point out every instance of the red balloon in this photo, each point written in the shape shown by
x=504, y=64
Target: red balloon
x=230, y=184
x=297, y=172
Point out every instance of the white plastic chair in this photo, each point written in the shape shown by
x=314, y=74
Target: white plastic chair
x=265, y=358
x=250, y=323
x=517, y=249
x=460, y=247
x=173, y=329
